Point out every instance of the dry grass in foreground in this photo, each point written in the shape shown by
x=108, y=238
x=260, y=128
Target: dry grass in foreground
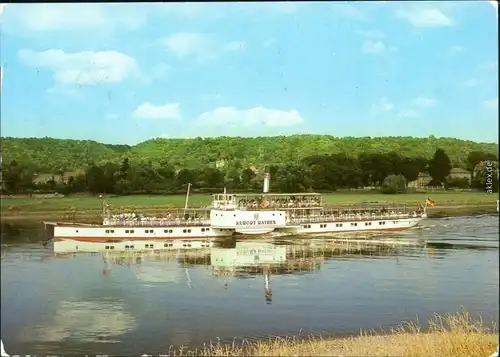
x=455, y=335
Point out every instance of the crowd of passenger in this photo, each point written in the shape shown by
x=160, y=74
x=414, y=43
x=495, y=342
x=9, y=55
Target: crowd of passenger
x=276, y=203
x=356, y=214
x=169, y=219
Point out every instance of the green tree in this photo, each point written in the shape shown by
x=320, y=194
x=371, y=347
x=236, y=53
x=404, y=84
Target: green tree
x=439, y=166
x=394, y=184
x=247, y=176
x=94, y=176
x=474, y=158
x=411, y=167
x=486, y=176
x=293, y=178
x=211, y=177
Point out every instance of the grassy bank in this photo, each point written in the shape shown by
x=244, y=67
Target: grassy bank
x=448, y=203
x=455, y=335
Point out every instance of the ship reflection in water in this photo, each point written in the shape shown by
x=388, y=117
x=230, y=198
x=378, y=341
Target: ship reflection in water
x=229, y=258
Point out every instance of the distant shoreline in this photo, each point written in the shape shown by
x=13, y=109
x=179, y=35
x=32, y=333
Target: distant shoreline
x=94, y=215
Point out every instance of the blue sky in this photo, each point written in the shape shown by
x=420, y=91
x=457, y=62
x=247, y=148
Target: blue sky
x=125, y=73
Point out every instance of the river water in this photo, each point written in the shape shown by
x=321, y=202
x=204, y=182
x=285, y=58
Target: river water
x=84, y=303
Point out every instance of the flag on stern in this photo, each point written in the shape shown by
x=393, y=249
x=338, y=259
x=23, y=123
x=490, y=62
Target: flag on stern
x=430, y=202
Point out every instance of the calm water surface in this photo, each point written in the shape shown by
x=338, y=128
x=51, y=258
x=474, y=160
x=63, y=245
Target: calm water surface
x=84, y=303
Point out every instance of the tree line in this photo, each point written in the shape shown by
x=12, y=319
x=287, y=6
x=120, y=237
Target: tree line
x=49, y=155
x=390, y=172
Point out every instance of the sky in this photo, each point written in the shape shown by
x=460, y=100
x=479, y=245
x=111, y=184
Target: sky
x=125, y=73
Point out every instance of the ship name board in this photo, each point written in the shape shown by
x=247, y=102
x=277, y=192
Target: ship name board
x=255, y=223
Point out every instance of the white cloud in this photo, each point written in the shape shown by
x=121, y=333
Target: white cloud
x=347, y=11
x=408, y=113
x=200, y=45
x=234, y=46
x=151, y=111
x=383, y=105
x=183, y=44
x=34, y=18
x=212, y=97
x=112, y=116
x=269, y=42
x=2, y=7
x=470, y=83
x=245, y=118
x=494, y=3
x=372, y=34
x=373, y=47
x=284, y=6
x=455, y=50
x=491, y=103
x=488, y=66
x=423, y=102
x=65, y=90
x=422, y=16
x=83, y=68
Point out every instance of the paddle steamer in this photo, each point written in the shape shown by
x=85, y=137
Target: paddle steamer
x=252, y=215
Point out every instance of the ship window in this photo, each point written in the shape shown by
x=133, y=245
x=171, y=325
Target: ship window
x=170, y=244
x=189, y=231
x=183, y=231
x=131, y=247
x=394, y=222
x=207, y=229
x=112, y=247
x=169, y=231
x=354, y=224
x=203, y=229
x=132, y=231
x=77, y=231
x=146, y=231
x=106, y=247
x=126, y=247
x=234, y=215
x=107, y=230
x=126, y=231
x=165, y=231
x=165, y=245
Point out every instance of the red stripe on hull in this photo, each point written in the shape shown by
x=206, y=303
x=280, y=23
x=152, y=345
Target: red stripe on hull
x=362, y=230
x=242, y=235
x=121, y=239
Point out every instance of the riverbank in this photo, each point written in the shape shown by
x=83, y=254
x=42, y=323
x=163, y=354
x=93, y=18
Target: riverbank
x=456, y=335
x=90, y=208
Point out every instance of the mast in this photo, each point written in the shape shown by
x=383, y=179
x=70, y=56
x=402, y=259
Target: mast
x=187, y=196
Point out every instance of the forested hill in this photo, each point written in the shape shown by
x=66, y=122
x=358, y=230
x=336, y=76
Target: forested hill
x=48, y=154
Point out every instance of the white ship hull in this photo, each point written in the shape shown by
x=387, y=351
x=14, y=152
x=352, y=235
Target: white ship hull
x=244, y=215
x=145, y=233
x=74, y=245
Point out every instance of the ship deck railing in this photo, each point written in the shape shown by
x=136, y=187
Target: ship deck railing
x=350, y=218
x=158, y=223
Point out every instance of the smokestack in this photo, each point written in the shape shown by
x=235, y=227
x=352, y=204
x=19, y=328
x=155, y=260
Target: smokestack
x=267, y=180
